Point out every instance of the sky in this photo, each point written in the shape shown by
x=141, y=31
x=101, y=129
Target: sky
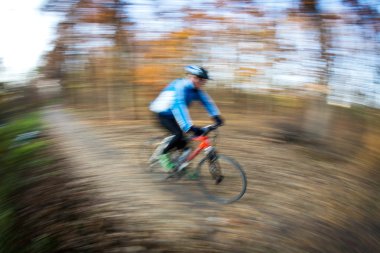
x=25, y=34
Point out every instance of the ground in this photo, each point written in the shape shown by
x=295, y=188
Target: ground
x=295, y=201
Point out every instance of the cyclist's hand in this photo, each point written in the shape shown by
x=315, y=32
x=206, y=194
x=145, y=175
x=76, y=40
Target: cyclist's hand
x=218, y=120
x=196, y=130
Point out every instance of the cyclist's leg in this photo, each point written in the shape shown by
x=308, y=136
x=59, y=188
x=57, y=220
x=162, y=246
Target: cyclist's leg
x=170, y=124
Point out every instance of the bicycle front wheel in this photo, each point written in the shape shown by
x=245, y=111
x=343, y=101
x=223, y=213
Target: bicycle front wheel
x=233, y=185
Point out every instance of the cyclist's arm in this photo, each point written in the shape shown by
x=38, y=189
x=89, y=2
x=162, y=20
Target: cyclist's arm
x=208, y=103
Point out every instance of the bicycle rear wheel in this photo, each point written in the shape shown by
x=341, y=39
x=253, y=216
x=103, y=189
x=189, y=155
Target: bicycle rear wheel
x=233, y=185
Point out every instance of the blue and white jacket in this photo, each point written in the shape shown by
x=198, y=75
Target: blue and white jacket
x=175, y=99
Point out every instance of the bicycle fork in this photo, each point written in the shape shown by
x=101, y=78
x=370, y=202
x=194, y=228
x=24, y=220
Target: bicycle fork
x=214, y=166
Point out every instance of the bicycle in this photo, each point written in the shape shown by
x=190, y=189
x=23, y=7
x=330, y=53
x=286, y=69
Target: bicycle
x=220, y=177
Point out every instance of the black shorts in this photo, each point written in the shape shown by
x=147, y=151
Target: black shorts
x=169, y=123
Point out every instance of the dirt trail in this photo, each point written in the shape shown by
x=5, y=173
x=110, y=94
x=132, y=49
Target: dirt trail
x=167, y=212
x=293, y=203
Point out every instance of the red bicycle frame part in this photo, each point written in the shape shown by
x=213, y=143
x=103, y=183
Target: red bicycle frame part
x=204, y=143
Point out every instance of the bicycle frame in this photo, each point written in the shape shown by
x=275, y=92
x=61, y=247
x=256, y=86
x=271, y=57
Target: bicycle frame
x=204, y=144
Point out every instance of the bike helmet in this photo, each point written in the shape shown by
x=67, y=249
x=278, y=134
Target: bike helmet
x=197, y=71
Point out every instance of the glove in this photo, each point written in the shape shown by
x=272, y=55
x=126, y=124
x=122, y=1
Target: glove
x=196, y=130
x=218, y=120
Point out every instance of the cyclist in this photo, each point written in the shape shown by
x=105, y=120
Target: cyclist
x=171, y=107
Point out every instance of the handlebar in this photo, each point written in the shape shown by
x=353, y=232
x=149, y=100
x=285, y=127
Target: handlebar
x=209, y=128
x=206, y=130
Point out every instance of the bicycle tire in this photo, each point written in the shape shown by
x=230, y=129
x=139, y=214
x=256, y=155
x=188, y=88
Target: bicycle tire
x=233, y=186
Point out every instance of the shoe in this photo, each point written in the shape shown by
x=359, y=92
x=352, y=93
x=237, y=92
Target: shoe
x=166, y=162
